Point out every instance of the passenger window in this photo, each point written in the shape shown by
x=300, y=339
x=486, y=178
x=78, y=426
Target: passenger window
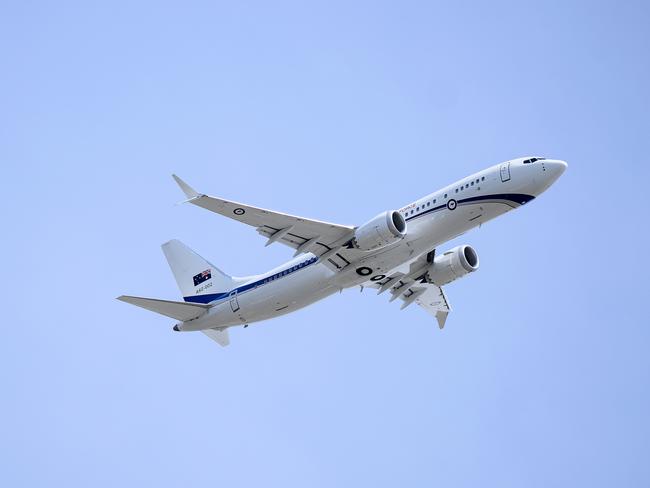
x=434, y=200
x=445, y=195
x=418, y=209
x=472, y=183
x=428, y=204
x=483, y=178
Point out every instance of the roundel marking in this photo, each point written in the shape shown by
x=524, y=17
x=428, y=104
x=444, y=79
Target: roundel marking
x=364, y=271
x=452, y=204
x=378, y=277
x=239, y=211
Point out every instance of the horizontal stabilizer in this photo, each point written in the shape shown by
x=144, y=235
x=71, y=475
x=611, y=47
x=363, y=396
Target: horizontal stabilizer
x=182, y=311
x=220, y=336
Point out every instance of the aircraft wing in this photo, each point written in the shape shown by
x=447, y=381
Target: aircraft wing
x=435, y=302
x=324, y=239
x=409, y=287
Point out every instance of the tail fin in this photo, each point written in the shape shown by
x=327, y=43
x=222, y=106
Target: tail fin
x=199, y=280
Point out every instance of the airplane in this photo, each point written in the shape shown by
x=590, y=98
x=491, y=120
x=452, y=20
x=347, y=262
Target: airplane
x=394, y=252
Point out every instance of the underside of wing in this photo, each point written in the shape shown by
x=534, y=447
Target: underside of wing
x=409, y=286
x=435, y=302
x=324, y=239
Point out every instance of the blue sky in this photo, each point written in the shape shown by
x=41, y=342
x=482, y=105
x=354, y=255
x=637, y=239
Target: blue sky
x=336, y=111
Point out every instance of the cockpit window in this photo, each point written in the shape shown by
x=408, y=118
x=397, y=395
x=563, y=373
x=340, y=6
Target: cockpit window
x=532, y=160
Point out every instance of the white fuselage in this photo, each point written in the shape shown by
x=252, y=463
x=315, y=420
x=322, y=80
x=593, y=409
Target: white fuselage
x=431, y=221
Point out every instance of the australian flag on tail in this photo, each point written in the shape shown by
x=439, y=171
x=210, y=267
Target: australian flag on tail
x=201, y=277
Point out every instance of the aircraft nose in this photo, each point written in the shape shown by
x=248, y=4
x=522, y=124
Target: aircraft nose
x=558, y=166
x=554, y=169
x=546, y=174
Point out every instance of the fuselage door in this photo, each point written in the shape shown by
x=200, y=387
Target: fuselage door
x=505, y=172
x=234, y=303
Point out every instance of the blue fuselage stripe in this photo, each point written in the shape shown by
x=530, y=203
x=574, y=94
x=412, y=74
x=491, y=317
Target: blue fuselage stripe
x=518, y=198
x=211, y=297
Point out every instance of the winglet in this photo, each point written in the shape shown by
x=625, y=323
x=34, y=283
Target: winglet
x=441, y=316
x=187, y=189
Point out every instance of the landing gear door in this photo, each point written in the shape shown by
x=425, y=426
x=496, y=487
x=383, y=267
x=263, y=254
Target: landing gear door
x=505, y=172
x=234, y=303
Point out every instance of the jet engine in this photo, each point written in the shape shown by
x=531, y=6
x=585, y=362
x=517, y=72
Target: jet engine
x=384, y=229
x=452, y=265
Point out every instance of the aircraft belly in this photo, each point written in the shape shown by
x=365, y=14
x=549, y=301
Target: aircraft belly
x=287, y=294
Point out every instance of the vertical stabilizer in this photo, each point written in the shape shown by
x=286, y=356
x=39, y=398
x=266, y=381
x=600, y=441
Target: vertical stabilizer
x=198, y=279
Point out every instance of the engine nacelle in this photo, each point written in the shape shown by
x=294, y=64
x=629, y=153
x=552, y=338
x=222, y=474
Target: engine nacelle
x=384, y=229
x=453, y=264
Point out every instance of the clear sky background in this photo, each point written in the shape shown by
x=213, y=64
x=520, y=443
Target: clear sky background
x=335, y=111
